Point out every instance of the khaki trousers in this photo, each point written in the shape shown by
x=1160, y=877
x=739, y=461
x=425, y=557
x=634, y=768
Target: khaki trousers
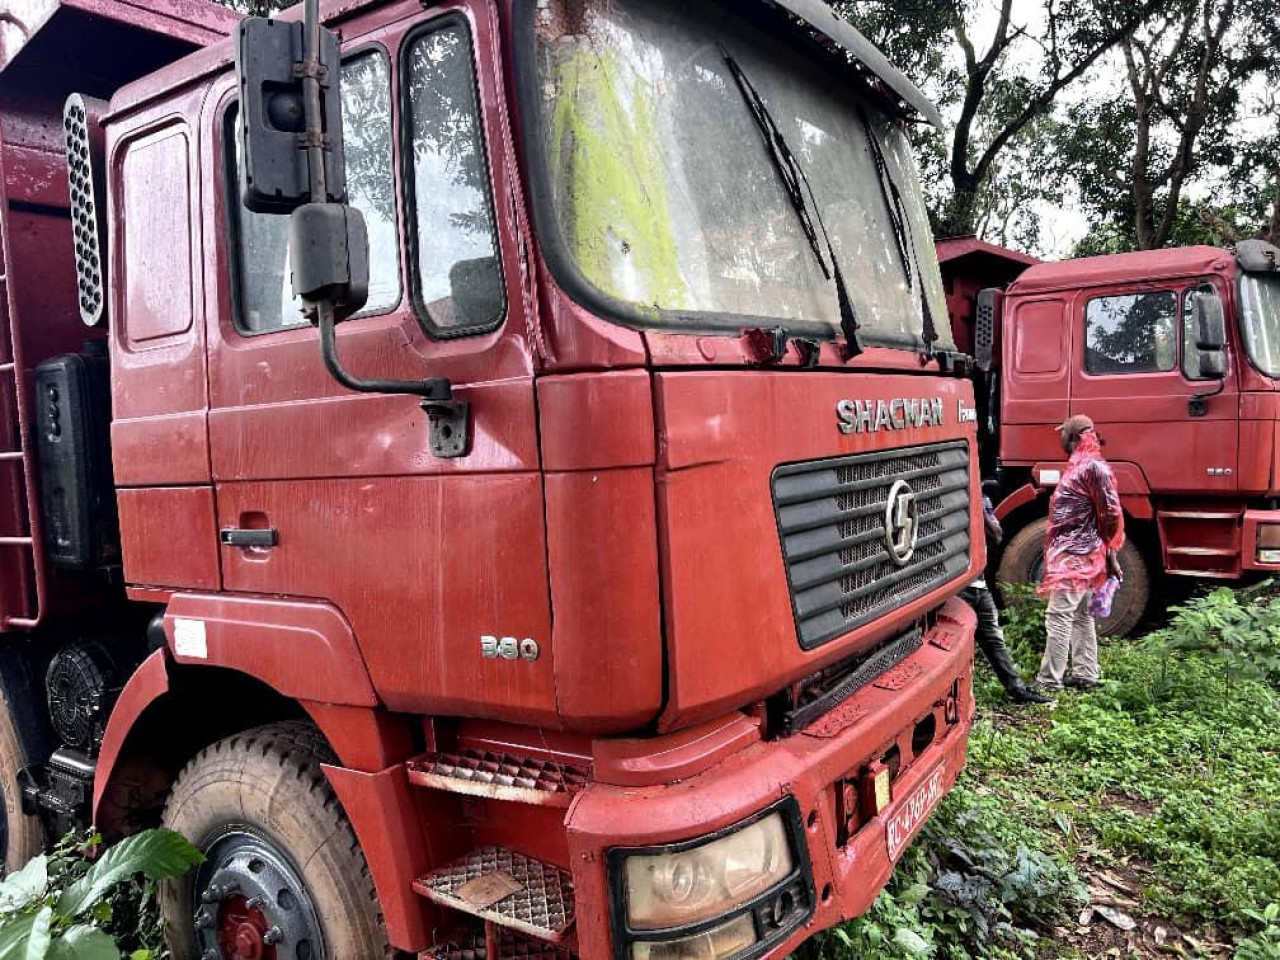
x=1070, y=630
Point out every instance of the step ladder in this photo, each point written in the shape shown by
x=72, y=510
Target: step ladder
x=526, y=905
x=22, y=582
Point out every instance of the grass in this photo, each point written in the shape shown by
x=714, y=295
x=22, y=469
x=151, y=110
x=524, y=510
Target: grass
x=1156, y=792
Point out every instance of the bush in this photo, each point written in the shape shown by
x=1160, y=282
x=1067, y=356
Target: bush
x=66, y=907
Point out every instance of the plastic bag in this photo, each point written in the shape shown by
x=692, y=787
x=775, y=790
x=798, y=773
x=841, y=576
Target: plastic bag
x=1100, y=605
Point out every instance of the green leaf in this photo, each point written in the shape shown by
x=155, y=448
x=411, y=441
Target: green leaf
x=25, y=886
x=159, y=854
x=14, y=931
x=40, y=936
x=143, y=955
x=83, y=942
x=911, y=942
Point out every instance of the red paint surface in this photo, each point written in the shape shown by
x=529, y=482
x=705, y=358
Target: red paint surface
x=169, y=537
x=303, y=649
x=146, y=685
x=729, y=627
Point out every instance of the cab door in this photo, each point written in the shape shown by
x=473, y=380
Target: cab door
x=343, y=498
x=1135, y=373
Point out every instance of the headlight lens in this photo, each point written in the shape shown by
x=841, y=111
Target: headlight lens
x=722, y=941
x=672, y=889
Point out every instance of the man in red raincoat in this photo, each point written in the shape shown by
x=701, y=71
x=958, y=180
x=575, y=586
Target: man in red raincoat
x=1086, y=528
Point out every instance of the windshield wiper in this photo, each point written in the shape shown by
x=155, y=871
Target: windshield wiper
x=901, y=224
x=793, y=180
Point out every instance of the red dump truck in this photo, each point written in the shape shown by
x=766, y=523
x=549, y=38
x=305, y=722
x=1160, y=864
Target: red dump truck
x=1175, y=354
x=591, y=591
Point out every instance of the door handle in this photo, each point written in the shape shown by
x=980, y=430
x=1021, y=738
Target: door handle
x=236, y=537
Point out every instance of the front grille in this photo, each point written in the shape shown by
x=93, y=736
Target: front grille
x=832, y=520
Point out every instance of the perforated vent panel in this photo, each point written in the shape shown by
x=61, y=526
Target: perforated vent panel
x=83, y=134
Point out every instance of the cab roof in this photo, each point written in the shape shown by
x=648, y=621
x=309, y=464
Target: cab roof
x=1122, y=268
x=814, y=16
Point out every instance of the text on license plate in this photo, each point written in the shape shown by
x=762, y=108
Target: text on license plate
x=913, y=811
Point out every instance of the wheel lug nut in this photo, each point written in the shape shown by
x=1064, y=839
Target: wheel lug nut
x=203, y=920
x=256, y=903
x=272, y=936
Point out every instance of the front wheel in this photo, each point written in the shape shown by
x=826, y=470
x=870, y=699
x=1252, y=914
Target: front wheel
x=283, y=876
x=1023, y=562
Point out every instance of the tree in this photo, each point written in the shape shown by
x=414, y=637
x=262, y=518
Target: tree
x=1135, y=150
x=999, y=91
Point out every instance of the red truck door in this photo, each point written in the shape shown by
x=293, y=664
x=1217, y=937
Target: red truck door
x=1135, y=370
x=424, y=556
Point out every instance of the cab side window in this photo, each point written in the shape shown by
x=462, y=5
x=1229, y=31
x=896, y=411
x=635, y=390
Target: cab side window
x=457, y=275
x=1132, y=333
x=262, y=291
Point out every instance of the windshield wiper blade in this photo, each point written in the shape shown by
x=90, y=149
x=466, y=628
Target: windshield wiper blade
x=901, y=224
x=795, y=183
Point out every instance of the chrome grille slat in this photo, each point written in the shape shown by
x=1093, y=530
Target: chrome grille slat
x=831, y=522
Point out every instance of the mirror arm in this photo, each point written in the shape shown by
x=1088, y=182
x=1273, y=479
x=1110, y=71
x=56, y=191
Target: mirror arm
x=1198, y=405
x=450, y=418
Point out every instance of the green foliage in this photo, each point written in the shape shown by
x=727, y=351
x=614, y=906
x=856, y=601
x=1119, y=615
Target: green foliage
x=1238, y=629
x=63, y=906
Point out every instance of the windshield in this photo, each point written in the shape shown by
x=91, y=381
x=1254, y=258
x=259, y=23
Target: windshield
x=665, y=204
x=1260, y=320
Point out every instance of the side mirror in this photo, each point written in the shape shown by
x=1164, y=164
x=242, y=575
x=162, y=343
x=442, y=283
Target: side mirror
x=1211, y=326
x=1213, y=365
x=329, y=256
x=271, y=58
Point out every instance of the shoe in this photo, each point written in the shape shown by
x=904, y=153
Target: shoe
x=1075, y=683
x=1028, y=695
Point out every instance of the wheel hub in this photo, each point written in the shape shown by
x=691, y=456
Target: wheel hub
x=253, y=905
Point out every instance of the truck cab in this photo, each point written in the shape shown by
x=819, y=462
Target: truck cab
x=591, y=590
x=1118, y=338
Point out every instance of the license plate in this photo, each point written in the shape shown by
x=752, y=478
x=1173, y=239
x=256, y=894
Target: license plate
x=913, y=811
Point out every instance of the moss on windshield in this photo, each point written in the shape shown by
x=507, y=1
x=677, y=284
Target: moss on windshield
x=616, y=220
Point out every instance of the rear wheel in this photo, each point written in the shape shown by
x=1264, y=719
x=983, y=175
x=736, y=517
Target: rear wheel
x=283, y=877
x=21, y=837
x=1023, y=562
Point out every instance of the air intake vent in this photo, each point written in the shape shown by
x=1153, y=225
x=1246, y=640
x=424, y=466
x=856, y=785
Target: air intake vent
x=989, y=304
x=81, y=124
x=834, y=517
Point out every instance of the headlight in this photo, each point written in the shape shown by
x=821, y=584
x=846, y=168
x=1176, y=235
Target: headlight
x=679, y=887
x=722, y=941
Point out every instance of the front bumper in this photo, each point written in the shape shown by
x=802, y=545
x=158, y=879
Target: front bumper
x=813, y=768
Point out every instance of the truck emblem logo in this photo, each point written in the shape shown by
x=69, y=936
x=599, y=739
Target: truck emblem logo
x=868, y=416
x=901, y=522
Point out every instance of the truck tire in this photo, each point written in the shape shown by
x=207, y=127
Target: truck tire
x=21, y=837
x=259, y=808
x=1023, y=562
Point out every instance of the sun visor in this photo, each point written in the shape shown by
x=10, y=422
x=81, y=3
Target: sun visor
x=817, y=16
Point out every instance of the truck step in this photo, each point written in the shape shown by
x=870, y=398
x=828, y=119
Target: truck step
x=511, y=946
x=499, y=776
x=508, y=889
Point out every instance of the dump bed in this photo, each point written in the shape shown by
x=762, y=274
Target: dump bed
x=49, y=49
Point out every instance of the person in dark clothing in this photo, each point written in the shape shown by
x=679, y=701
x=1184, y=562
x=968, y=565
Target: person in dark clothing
x=989, y=636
